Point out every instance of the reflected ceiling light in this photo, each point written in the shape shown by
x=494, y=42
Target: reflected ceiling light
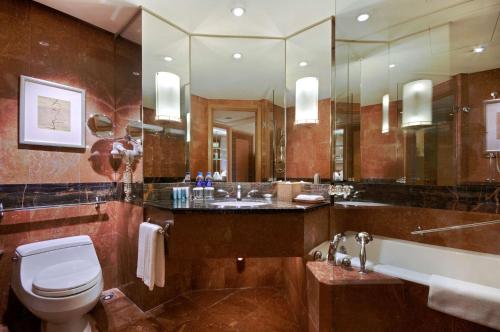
x=306, y=100
x=237, y=56
x=136, y=73
x=479, y=49
x=168, y=59
x=417, y=103
x=43, y=43
x=303, y=63
x=363, y=17
x=385, y=114
x=238, y=11
x=392, y=65
x=168, y=97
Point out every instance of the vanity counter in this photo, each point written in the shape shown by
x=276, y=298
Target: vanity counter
x=277, y=229
x=271, y=206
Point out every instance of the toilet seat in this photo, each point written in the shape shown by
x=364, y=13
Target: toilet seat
x=66, y=279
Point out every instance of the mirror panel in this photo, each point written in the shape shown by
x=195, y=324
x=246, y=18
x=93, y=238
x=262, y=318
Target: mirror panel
x=309, y=61
x=165, y=50
x=234, y=94
x=411, y=83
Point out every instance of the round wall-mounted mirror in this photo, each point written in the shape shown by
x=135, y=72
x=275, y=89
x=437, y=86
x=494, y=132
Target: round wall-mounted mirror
x=100, y=125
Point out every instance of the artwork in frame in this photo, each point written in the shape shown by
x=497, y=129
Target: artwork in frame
x=492, y=121
x=51, y=114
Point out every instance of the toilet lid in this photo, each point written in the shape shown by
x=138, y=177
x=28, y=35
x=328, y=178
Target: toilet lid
x=65, y=279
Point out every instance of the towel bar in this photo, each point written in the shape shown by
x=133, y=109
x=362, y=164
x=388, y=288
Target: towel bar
x=164, y=230
x=420, y=231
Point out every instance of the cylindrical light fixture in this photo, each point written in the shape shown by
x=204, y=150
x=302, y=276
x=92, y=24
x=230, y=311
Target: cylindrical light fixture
x=385, y=114
x=168, y=97
x=306, y=100
x=417, y=103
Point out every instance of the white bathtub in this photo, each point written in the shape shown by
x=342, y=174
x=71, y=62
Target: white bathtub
x=416, y=262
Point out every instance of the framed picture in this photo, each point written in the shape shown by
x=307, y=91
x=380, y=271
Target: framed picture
x=492, y=121
x=51, y=114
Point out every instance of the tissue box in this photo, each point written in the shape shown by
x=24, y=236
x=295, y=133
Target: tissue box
x=286, y=191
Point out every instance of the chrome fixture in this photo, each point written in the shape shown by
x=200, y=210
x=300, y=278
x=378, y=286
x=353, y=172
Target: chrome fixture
x=332, y=248
x=252, y=193
x=363, y=238
x=165, y=231
x=1, y=210
x=318, y=256
x=346, y=262
x=238, y=193
x=420, y=231
x=129, y=156
x=316, y=178
x=340, y=190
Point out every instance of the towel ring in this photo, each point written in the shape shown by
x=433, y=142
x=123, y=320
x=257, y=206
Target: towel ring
x=165, y=230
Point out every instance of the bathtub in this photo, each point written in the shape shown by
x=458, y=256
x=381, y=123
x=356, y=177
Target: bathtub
x=416, y=262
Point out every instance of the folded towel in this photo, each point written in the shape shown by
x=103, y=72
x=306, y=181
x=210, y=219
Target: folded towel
x=312, y=198
x=466, y=300
x=151, y=256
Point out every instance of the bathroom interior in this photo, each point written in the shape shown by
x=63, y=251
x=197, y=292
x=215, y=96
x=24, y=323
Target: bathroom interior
x=236, y=165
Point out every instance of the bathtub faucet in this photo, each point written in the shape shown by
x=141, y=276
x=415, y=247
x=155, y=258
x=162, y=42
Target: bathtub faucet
x=332, y=248
x=363, y=238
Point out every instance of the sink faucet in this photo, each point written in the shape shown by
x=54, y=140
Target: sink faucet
x=363, y=238
x=332, y=249
x=238, y=193
x=251, y=193
x=223, y=192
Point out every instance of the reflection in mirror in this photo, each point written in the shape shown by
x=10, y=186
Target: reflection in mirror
x=411, y=83
x=166, y=104
x=100, y=125
x=308, y=112
x=237, y=89
x=234, y=138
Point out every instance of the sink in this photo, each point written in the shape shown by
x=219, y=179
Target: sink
x=239, y=204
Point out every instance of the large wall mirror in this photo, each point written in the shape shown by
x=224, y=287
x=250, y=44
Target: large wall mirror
x=237, y=107
x=166, y=99
x=412, y=81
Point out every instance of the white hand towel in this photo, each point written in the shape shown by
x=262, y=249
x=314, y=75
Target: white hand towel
x=466, y=300
x=151, y=256
x=308, y=197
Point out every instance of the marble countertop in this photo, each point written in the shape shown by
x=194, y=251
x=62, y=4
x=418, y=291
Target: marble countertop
x=271, y=206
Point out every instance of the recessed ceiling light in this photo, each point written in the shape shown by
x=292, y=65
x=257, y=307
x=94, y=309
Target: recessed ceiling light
x=479, y=49
x=43, y=43
x=168, y=59
x=237, y=56
x=238, y=11
x=303, y=63
x=363, y=17
x=392, y=65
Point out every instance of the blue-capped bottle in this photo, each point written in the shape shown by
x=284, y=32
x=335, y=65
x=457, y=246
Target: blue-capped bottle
x=209, y=180
x=199, y=180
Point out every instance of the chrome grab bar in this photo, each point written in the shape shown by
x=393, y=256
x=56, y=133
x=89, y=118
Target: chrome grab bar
x=421, y=231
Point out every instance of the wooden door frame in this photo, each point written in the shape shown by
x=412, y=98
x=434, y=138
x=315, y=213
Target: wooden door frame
x=258, y=133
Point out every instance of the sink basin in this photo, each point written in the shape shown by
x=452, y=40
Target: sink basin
x=239, y=204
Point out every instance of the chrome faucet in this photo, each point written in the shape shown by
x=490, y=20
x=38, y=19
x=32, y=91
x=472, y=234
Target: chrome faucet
x=238, y=193
x=251, y=193
x=223, y=192
x=332, y=248
x=363, y=238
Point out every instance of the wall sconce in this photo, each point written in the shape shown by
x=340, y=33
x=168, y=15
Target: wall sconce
x=417, y=103
x=188, y=127
x=385, y=114
x=168, y=97
x=306, y=100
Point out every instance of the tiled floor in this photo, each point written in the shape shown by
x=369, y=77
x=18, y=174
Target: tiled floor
x=253, y=309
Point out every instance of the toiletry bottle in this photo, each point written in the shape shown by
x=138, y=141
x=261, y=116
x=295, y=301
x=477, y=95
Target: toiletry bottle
x=208, y=180
x=199, y=180
x=187, y=178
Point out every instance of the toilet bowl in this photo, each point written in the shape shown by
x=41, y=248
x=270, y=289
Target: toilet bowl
x=59, y=281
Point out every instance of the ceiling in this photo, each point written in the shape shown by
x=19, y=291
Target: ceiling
x=241, y=121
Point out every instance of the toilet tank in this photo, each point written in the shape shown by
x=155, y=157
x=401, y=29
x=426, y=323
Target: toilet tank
x=33, y=257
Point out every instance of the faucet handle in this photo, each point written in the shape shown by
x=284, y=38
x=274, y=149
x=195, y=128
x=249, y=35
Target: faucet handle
x=363, y=238
x=339, y=237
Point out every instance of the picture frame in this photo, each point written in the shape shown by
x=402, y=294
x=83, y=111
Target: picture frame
x=492, y=124
x=51, y=114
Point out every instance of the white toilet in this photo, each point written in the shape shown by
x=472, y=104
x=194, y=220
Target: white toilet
x=59, y=281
